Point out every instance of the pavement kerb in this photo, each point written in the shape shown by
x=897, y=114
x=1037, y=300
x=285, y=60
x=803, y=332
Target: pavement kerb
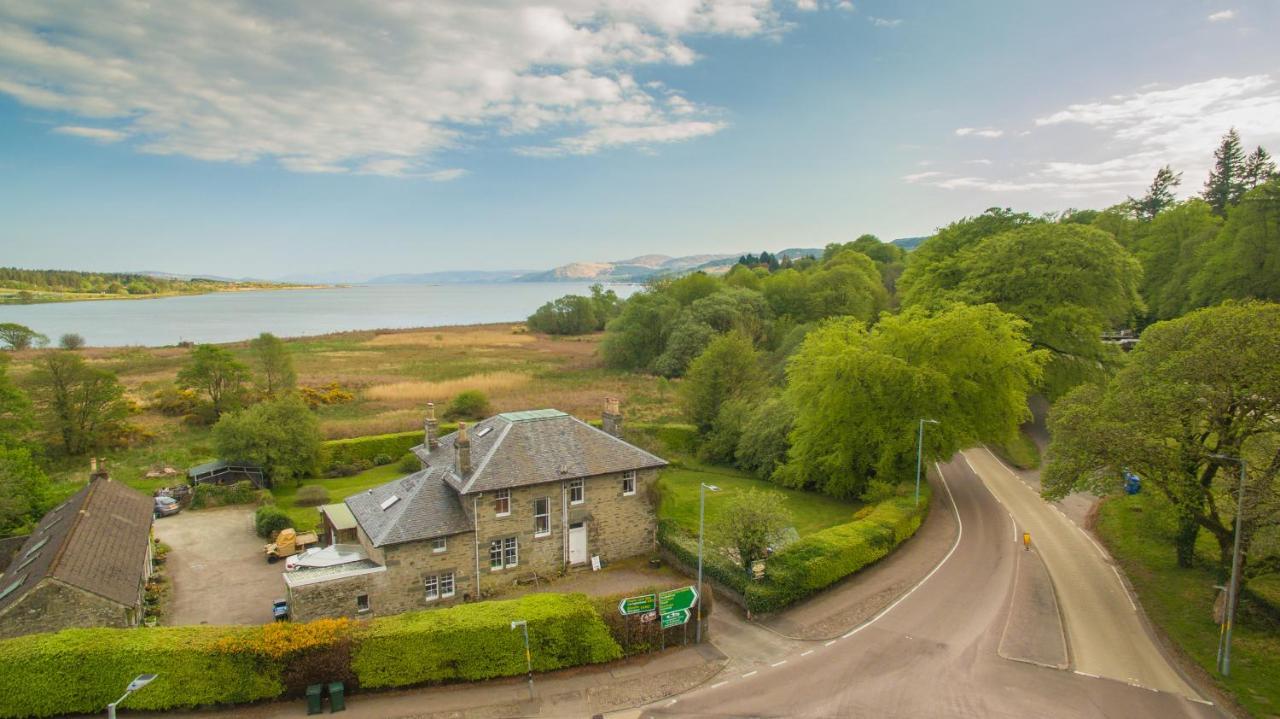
x=1057, y=608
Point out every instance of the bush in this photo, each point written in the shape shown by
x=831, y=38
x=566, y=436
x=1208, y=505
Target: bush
x=270, y=519
x=220, y=495
x=338, y=452
x=381, y=459
x=330, y=394
x=71, y=341
x=175, y=401
x=409, y=463
x=637, y=637
x=312, y=495
x=475, y=641
x=684, y=547
x=470, y=404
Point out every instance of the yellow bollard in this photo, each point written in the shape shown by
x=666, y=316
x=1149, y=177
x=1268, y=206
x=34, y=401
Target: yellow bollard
x=1026, y=541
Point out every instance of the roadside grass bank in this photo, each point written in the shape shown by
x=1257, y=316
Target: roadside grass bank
x=1021, y=452
x=1139, y=532
x=678, y=489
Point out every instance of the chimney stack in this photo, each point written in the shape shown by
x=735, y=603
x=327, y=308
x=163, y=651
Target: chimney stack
x=431, y=429
x=612, y=418
x=462, y=444
x=97, y=469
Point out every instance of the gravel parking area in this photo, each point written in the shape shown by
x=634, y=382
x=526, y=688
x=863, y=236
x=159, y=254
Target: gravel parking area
x=216, y=568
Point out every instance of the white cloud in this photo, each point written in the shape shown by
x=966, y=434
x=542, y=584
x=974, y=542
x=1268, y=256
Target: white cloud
x=379, y=88
x=885, y=22
x=988, y=132
x=979, y=161
x=919, y=176
x=1222, y=15
x=101, y=134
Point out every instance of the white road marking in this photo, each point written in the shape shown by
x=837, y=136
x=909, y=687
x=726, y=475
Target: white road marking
x=829, y=643
x=1123, y=588
x=805, y=654
x=1198, y=700
x=778, y=664
x=1087, y=674
x=751, y=673
x=673, y=701
x=1013, y=522
x=717, y=685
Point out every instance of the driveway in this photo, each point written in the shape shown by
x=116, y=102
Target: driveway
x=216, y=568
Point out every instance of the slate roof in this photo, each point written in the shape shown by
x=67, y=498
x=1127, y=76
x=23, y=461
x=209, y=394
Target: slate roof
x=425, y=507
x=523, y=448
x=96, y=541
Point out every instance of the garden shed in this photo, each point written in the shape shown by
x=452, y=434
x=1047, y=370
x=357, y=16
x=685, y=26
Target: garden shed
x=227, y=472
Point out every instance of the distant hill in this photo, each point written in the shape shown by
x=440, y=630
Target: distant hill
x=443, y=278
x=635, y=269
x=909, y=243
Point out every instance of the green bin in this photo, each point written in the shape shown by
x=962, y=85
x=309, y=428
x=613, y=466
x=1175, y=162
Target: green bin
x=313, y=698
x=337, y=702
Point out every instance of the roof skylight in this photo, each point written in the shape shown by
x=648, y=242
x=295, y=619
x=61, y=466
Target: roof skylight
x=386, y=503
x=9, y=589
x=484, y=431
x=37, y=547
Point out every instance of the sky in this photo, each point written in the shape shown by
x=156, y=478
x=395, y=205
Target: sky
x=310, y=136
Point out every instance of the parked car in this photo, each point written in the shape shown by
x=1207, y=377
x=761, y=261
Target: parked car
x=280, y=610
x=166, y=506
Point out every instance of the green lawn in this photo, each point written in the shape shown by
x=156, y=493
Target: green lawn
x=307, y=518
x=678, y=487
x=1138, y=530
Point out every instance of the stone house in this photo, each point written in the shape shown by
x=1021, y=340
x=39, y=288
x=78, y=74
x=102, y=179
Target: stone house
x=85, y=565
x=518, y=496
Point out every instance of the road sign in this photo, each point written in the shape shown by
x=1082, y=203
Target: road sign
x=675, y=619
x=637, y=605
x=677, y=599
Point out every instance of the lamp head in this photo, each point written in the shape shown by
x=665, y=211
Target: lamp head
x=712, y=487
x=141, y=681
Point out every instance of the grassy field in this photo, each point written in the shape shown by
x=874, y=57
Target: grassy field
x=392, y=374
x=307, y=518
x=678, y=487
x=1138, y=531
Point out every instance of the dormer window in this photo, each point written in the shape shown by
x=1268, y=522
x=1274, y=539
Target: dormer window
x=502, y=502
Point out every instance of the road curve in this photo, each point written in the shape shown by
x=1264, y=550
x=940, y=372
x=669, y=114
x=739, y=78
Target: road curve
x=933, y=653
x=1104, y=632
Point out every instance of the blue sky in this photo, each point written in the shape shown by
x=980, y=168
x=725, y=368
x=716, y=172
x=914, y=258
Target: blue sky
x=318, y=136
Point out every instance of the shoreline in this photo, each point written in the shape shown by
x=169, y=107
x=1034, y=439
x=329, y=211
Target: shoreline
x=63, y=297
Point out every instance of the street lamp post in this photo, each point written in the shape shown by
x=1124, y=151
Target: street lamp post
x=141, y=681
x=702, y=519
x=1233, y=587
x=920, y=455
x=528, y=657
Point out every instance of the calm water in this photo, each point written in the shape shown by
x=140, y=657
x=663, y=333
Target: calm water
x=232, y=316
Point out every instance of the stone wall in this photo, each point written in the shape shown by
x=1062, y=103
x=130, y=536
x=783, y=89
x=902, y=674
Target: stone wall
x=620, y=525
x=52, y=605
x=336, y=597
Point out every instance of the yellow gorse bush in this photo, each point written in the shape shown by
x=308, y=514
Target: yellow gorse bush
x=285, y=639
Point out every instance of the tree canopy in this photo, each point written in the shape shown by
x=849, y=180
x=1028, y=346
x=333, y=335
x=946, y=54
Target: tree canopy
x=82, y=408
x=216, y=373
x=275, y=366
x=281, y=435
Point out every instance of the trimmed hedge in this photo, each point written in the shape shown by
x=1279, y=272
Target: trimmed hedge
x=684, y=547
x=78, y=671
x=637, y=637
x=475, y=641
x=824, y=558
x=337, y=452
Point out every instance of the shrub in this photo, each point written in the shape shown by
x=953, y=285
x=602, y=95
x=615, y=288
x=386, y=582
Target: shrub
x=409, y=463
x=312, y=495
x=324, y=396
x=469, y=404
x=381, y=459
x=219, y=495
x=475, y=641
x=71, y=341
x=175, y=401
x=269, y=519
x=637, y=637
x=684, y=547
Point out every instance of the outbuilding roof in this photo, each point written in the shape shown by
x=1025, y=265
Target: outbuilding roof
x=339, y=515
x=96, y=541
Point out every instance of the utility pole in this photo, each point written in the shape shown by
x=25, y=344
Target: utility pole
x=920, y=455
x=702, y=520
x=528, y=657
x=1233, y=586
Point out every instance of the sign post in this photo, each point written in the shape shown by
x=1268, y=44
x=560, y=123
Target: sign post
x=642, y=604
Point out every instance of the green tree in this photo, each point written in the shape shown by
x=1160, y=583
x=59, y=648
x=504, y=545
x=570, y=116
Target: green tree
x=690, y=288
x=71, y=341
x=1170, y=256
x=24, y=491
x=19, y=337
x=750, y=523
x=568, y=315
x=1204, y=384
x=281, y=435
x=1069, y=282
x=216, y=373
x=727, y=369
x=764, y=440
x=1159, y=196
x=1226, y=181
x=15, y=409
x=1259, y=168
x=275, y=366
x=921, y=263
x=468, y=404
x=859, y=394
x=82, y=408
x=1243, y=260
x=639, y=334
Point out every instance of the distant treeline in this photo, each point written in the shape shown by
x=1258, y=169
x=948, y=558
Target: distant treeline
x=115, y=283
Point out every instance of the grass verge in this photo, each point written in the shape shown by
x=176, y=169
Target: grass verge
x=678, y=486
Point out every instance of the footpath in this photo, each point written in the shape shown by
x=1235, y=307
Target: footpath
x=619, y=689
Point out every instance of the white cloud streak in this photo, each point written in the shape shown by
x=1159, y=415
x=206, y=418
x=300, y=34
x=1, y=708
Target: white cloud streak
x=885, y=22
x=987, y=132
x=380, y=88
x=1222, y=16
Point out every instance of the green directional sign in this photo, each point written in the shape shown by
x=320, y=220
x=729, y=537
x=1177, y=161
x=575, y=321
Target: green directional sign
x=675, y=619
x=642, y=604
x=677, y=599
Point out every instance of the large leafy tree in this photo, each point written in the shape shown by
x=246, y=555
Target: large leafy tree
x=1159, y=195
x=1226, y=181
x=281, y=435
x=750, y=523
x=216, y=373
x=733, y=309
x=275, y=366
x=728, y=369
x=923, y=262
x=859, y=394
x=1243, y=260
x=1170, y=255
x=639, y=333
x=1069, y=282
x=20, y=337
x=24, y=491
x=82, y=408
x=1202, y=385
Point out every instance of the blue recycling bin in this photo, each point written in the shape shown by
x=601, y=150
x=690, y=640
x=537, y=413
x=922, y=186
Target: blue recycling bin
x=1132, y=483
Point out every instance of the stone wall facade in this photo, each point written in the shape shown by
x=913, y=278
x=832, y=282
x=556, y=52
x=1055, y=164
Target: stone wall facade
x=53, y=605
x=337, y=597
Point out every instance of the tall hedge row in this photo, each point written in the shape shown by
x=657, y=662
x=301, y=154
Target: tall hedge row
x=684, y=547
x=476, y=641
x=824, y=558
x=337, y=452
x=78, y=671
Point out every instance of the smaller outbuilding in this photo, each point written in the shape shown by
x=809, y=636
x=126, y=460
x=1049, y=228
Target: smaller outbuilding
x=227, y=472
x=337, y=525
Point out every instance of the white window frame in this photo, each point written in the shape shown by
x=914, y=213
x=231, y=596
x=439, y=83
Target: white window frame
x=439, y=545
x=580, y=485
x=447, y=585
x=495, y=545
x=367, y=606
x=546, y=515
x=502, y=498
x=431, y=586
x=628, y=478
x=508, y=553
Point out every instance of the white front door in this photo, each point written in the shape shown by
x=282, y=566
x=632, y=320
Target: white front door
x=578, y=543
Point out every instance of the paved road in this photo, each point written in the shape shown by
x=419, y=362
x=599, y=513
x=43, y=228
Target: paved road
x=1104, y=632
x=933, y=652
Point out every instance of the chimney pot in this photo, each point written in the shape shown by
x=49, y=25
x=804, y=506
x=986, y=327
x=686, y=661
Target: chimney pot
x=462, y=447
x=431, y=429
x=612, y=417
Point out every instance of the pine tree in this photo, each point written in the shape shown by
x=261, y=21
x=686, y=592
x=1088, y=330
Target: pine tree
x=1259, y=168
x=1159, y=195
x=1226, y=181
